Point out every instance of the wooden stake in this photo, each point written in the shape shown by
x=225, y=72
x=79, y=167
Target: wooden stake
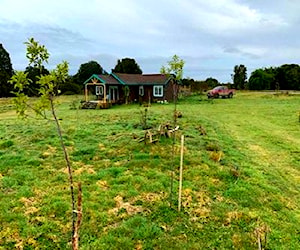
x=180, y=173
x=75, y=239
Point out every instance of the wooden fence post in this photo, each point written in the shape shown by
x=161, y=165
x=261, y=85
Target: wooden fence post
x=180, y=173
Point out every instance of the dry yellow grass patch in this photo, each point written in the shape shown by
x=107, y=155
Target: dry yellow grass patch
x=102, y=184
x=88, y=169
x=216, y=155
x=12, y=235
x=101, y=147
x=120, y=163
x=237, y=241
x=215, y=181
x=49, y=152
x=29, y=204
x=288, y=203
x=150, y=197
x=121, y=205
x=79, y=168
x=260, y=151
x=232, y=216
x=197, y=204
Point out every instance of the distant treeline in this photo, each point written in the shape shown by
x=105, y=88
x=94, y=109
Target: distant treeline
x=285, y=77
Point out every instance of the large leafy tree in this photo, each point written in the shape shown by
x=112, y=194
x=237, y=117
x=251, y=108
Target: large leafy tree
x=261, y=79
x=285, y=77
x=128, y=66
x=288, y=76
x=239, y=76
x=33, y=73
x=6, y=72
x=212, y=82
x=86, y=70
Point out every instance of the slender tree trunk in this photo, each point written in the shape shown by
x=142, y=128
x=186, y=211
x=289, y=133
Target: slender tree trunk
x=75, y=238
x=67, y=159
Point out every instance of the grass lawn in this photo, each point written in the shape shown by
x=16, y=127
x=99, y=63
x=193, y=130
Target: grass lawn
x=241, y=179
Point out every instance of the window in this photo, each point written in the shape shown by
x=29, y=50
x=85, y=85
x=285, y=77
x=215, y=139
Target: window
x=99, y=90
x=113, y=93
x=141, y=90
x=158, y=91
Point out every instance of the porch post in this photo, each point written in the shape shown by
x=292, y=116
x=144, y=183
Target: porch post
x=86, y=93
x=104, y=90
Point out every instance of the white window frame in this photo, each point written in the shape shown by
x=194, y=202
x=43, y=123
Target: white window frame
x=141, y=90
x=158, y=90
x=99, y=90
x=113, y=93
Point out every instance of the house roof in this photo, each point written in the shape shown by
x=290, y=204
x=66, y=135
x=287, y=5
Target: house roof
x=131, y=79
x=143, y=79
x=109, y=79
x=104, y=79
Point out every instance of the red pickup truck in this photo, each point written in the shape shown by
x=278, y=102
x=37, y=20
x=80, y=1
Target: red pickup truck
x=220, y=91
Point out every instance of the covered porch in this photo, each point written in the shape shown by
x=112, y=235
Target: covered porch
x=100, y=93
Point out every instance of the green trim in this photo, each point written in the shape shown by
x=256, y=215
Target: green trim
x=94, y=76
x=118, y=79
x=171, y=77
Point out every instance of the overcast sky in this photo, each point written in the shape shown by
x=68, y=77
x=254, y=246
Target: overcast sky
x=210, y=36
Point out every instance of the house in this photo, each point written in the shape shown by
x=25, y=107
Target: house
x=105, y=90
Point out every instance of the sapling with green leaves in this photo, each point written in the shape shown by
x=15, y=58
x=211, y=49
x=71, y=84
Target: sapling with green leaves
x=38, y=55
x=174, y=68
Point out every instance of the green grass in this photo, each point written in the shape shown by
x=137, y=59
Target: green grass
x=243, y=175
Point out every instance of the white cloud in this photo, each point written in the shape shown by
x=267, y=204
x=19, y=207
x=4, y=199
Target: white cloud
x=212, y=36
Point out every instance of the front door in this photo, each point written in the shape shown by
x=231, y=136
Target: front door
x=113, y=93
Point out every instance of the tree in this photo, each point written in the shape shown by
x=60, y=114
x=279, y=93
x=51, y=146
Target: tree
x=187, y=82
x=261, y=79
x=69, y=87
x=86, y=70
x=288, y=76
x=38, y=55
x=199, y=86
x=174, y=67
x=212, y=82
x=128, y=66
x=33, y=73
x=6, y=72
x=239, y=76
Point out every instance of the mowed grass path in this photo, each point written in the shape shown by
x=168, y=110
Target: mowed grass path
x=241, y=178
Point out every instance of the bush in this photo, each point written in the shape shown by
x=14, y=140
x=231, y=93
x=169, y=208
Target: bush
x=70, y=88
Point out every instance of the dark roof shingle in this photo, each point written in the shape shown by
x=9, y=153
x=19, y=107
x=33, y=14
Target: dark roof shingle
x=108, y=79
x=142, y=79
